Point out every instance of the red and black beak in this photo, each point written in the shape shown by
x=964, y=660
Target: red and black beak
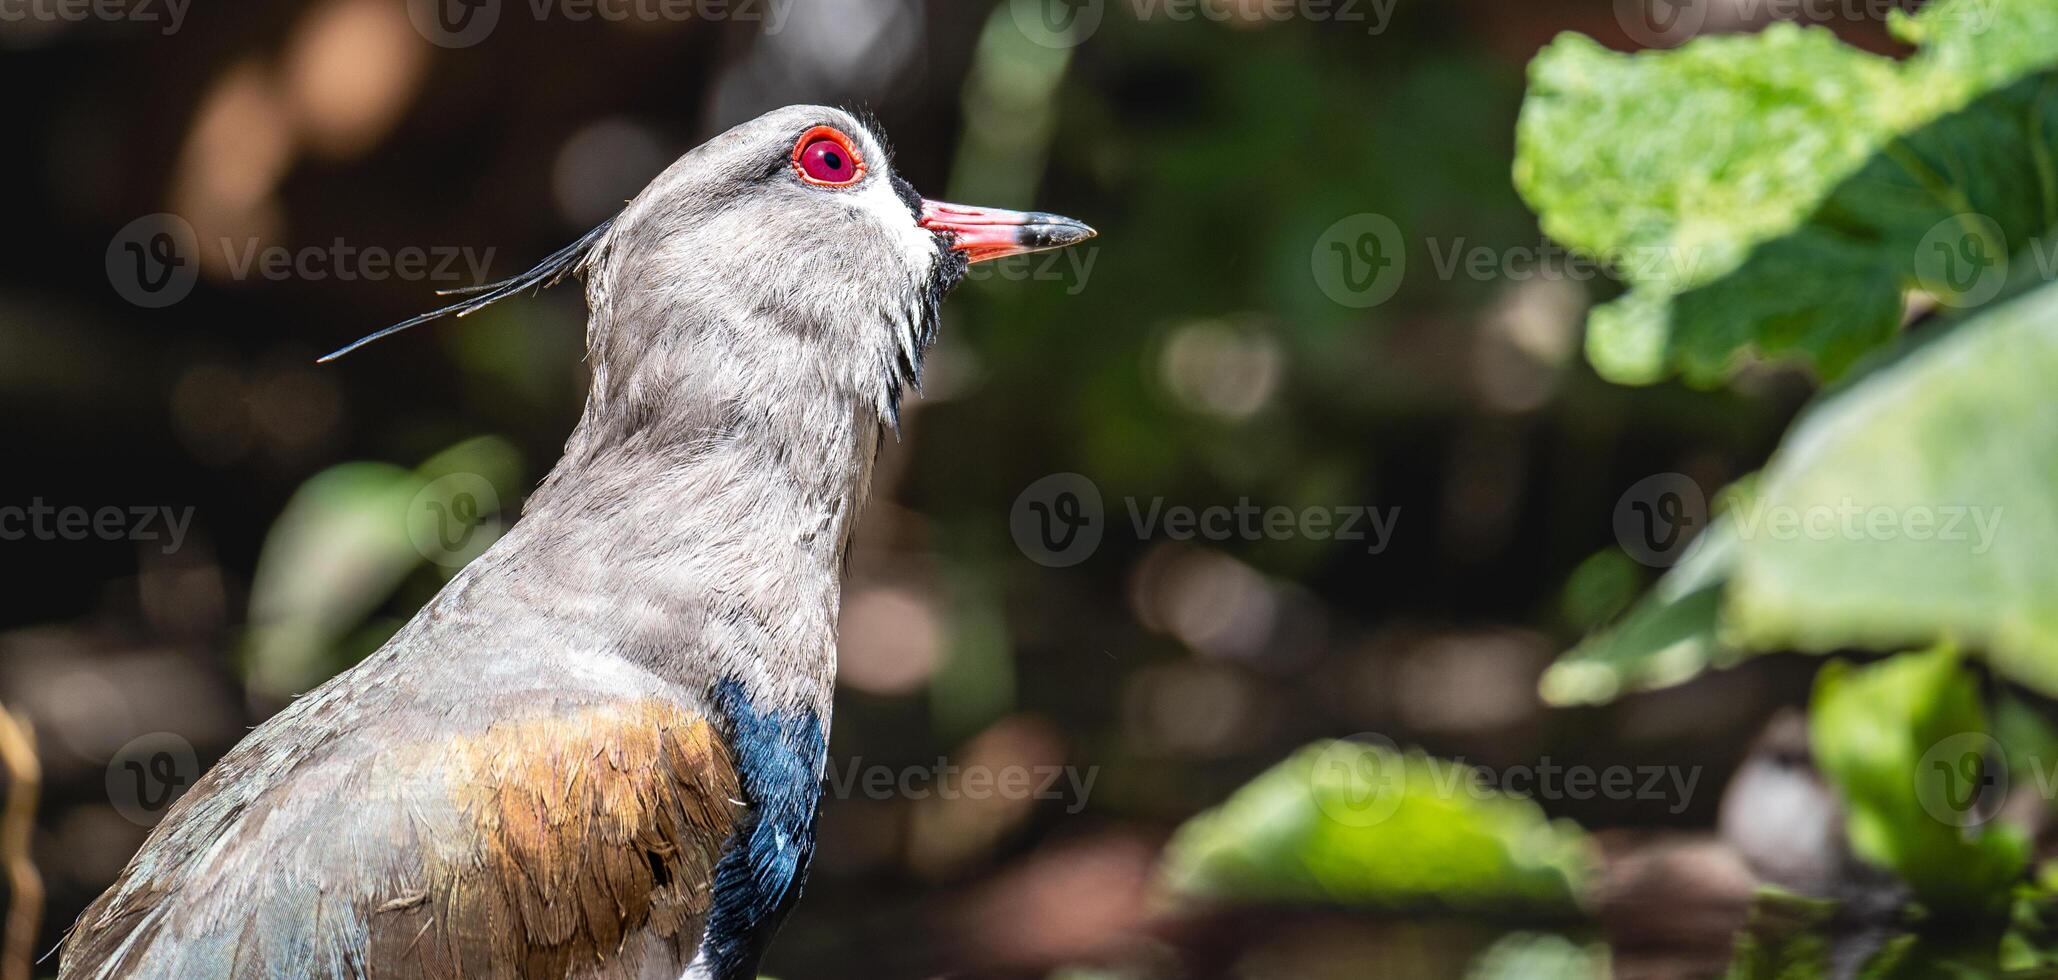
x=984, y=234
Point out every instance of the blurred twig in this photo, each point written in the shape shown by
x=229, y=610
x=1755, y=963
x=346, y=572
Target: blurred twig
x=17, y=823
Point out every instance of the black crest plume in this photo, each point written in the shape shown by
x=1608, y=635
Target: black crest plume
x=559, y=264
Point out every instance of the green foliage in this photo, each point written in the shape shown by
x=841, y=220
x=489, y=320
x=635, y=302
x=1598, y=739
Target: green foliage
x=1794, y=937
x=1539, y=956
x=1963, y=428
x=1909, y=508
x=1784, y=939
x=1362, y=824
x=2027, y=738
x=349, y=537
x=1667, y=638
x=1891, y=738
x=2031, y=942
x=1600, y=589
x=1777, y=193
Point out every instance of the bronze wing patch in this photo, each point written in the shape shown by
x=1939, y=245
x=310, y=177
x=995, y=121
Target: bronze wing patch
x=585, y=831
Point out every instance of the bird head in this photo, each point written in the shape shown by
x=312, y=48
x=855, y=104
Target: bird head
x=784, y=251
x=789, y=244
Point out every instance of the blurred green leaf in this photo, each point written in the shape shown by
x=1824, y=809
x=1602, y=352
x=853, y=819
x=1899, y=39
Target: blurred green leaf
x=2026, y=736
x=1360, y=823
x=1969, y=46
x=1667, y=638
x=1539, y=956
x=1931, y=477
x=1910, y=507
x=1010, y=110
x=334, y=554
x=1776, y=193
x=347, y=540
x=1877, y=732
x=1600, y=589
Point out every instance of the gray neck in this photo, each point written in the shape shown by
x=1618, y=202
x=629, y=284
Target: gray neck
x=698, y=522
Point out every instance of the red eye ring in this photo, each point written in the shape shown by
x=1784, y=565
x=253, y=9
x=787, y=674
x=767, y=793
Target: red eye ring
x=825, y=157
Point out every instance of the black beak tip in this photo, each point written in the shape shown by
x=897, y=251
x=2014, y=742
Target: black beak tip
x=1055, y=231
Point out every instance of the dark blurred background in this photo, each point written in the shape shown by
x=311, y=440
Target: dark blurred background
x=1191, y=357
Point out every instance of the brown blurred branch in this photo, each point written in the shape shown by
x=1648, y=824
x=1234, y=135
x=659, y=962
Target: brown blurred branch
x=17, y=823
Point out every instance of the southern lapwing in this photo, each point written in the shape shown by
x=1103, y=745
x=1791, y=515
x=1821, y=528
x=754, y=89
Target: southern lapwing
x=597, y=753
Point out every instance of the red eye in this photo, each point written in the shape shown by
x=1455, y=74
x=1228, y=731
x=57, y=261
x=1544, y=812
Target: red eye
x=826, y=157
